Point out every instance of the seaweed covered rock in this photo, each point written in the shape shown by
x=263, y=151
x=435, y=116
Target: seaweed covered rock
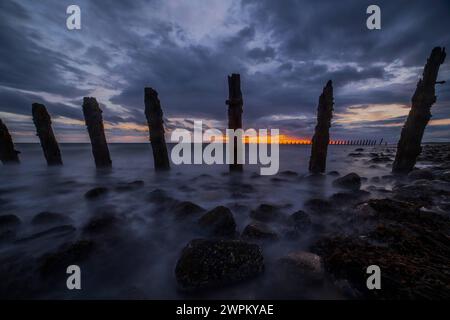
x=219, y=222
x=351, y=181
x=411, y=247
x=215, y=263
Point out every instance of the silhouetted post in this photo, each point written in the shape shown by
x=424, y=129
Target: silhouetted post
x=154, y=115
x=381, y=141
x=44, y=131
x=409, y=145
x=235, y=108
x=94, y=122
x=8, y=154
x=318, y=160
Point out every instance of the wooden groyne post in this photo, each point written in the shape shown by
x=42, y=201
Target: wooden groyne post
x=235, y=109
x=44, y=131
x=94, y=122
x=154, y=115
x=8, y=154
x=409, y=145
x=318, y=159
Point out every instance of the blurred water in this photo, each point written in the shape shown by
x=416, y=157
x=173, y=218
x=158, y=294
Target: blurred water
x=141, y=262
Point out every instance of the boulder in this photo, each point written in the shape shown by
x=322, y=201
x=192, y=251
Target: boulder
x=258, y=231
x=50, y=218
x=96, y=193
x=186, y=208
x=215, y=263
x=102, y=223
x=9, y=221
x=302, y=265
x=219, y=222
x=58, y=231
x=351, y=181
x=300, y=221
x=419, y=174
x=266, y=213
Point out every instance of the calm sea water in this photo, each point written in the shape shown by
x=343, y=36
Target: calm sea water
x=140, y=262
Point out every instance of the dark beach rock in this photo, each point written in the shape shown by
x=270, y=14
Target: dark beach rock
x=68, y=254
x=411, y=247
x=159, y=196
x=266, y=213
x=211, y=264
x=219, y=222
x=356, y=154
x=258, y=231
x=130, y=186
x=289, y=173
x=302, y=265
x=8, y=221
x=380, y=159
x=375, y=179
x=95, y=193
x=186, y=208
x=421, y=195
x=319, y=205
x=46, y=218
x=445, y=176
x=351, y=181
x=359, y=149
x=299, y=221
x=58, y=231
x=420, y=174
x=333, y=173
x=104, y=222
x=349, y=198
x=7, y=236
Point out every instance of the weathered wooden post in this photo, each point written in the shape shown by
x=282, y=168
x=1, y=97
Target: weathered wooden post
x=409, y=145
x=44, y=131
x=318, y=159
x=155, y=121
x=235, y=108
x=381, y=141
x=94, y=122
x=8, y=154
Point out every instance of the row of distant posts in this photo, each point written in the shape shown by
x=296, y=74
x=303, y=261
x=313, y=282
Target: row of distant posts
x=409, y=146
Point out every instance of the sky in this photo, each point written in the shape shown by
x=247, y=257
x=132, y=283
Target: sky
x=285, y=51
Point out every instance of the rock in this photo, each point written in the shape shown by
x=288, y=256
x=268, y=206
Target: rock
x=349, y=198
x=445, y=176
x=48, y=218
x=289, y=173
x=130, y=186
x=219, y=222
x=300, y=220
x=375, y=180
x=333, y=173
x=9, y=221
x=7, y=236
x=216, y=263
x=359, y=149
x=318, y=205
x=420, y=174
x=104, y=222
x=266, y=213
x=351, y=181
x=159, y=196
x=258, y=231
x=186, y=208
x=95, y=193
x=52, y=232
x=356, y=154
x=302, y=265
x=418, y=194
x=380, y=159
x=66, y=255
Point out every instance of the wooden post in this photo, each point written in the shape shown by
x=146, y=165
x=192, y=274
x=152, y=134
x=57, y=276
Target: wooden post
x=235, y=108
x=381, y=141
x=44, y=131
x=409, y=145
x=155, y=121
x=8, y=154
x=94, y=122
x=318, y=159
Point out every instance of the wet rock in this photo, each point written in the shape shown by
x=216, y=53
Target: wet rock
x=266, y=213
x=186, y=208
x=410, y=246
x=159, y=196
x=210, y=264
x=66, y=255
x=8, y=221
x=359, y=149
x=52, y=232
x=96, y=193
x=318, y=205
x=219, y=222
x=356, y=154
x=375, y=180
x=418, y=194
x=289, y=173
x=349, y=198
x=104, y=222
x=333, y=173
x=49, y=218
x=302, y=265
x=351, y=181
x=7, y=236
x=130, y=186
x=420, y=174
x=259, y=231
x=299, y=220
x=380, y=159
